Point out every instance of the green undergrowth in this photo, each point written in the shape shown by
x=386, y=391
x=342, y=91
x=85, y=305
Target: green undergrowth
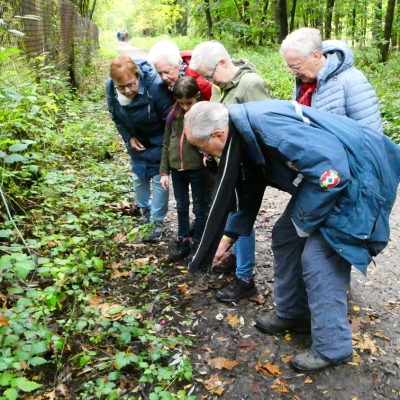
x=69, y=326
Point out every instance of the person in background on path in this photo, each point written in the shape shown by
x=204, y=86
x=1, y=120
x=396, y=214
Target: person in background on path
x=343, y=177
x=171, y=64
x=119, y=36
x=185, y=164
x=139, y=105
x=234, y=82
x=327, y=79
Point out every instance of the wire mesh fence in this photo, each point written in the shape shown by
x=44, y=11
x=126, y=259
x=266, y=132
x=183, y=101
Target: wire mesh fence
x=50, y=28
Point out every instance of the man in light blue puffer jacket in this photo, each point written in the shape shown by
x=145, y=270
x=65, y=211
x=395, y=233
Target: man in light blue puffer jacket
x=326, y=78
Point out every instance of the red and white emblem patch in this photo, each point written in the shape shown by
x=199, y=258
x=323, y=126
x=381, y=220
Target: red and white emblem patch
x=329, y=179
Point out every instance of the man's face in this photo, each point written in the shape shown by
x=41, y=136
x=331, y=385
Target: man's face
x=213, y=146
x=305, y=68
x=217, y=76
x=168, y=73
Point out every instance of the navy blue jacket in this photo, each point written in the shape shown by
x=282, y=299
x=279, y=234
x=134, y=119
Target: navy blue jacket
x=344, y=175
x=143, y=119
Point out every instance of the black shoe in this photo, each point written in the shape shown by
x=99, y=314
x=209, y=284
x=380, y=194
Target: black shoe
x=236, y=290
x=274, y=325
x=156, y=235
x=194, y=244
x=310, y=363
x=228, y=265
x=182, y=249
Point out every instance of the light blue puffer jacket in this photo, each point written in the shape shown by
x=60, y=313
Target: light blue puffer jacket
x=342, y=89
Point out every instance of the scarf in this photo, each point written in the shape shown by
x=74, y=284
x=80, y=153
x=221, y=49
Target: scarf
x=306, y=91
x=225, y=200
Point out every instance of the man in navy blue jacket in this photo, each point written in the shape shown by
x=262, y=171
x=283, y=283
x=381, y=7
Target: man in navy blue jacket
x=343, y=178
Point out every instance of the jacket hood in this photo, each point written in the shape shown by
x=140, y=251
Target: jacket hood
x=238, y=116
x=339, y=57
x=245, y=66
x=146, y=71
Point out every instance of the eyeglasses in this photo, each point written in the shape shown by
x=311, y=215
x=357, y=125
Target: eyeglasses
x=210, y=78
x=201, y=149
x=129, y=86
x=294, y=67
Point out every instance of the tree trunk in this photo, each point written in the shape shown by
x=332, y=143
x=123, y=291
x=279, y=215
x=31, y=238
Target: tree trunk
x=353, y=25
x=292, y=14
x=328, y=22
x=93, y=7
x=247, y=37
x=388, y=30
x=209, y=20
x=377, y=23
x=282, y=18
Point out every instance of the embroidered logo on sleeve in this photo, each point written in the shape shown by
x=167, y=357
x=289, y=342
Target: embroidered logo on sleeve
x=329, y=179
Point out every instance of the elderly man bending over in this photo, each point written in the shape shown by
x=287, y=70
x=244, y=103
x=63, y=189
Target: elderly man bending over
x=326, y=78
x=343, y=178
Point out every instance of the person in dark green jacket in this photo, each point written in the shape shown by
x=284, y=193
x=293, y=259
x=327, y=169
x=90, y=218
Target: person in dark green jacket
x=185, y=164
x=234, y=82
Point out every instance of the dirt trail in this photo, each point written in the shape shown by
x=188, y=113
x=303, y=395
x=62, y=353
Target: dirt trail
x=374, y=308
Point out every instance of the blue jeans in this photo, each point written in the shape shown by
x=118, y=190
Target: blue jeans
x=198, y=183
x=159, y=203
x=311, y=279
x=244, y=250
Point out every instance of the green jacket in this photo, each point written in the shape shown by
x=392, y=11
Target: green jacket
x=245, y=86
x=177, y=152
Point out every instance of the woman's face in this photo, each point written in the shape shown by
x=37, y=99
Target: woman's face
x=127, y=83
x=187, y=104
x=167, y=72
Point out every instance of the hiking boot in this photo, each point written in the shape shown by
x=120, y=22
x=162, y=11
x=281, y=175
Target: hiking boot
x=236, y=290
x=274, y=325
x=182, y=249
x=310, y=363
x=156, y=235
x=145, y=213
x=228, y=265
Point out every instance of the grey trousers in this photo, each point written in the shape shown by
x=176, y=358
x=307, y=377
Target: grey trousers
x=311, y=279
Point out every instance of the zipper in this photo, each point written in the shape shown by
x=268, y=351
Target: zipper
x=181, y=149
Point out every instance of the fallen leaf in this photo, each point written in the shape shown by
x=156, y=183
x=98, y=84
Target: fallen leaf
x=308, y=380
x=221, y=362
x=364, y=342
x=260, y=299
x=233, y=320
x=356, y=309
x=255, y=388
x=214, y=385
x=273, y=369
x=3, y=320
x=183, y=288
x=280, y=386
x=141, y=262
x=286, y=359
x=267, y=351
x=219, y=317
x=95, y=300
x=288, y=337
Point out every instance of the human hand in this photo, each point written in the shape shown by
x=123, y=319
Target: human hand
x=164, y=181
x=222, y=251
x=136, y=145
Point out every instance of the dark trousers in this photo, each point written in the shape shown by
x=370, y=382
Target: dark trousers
x=198, y=183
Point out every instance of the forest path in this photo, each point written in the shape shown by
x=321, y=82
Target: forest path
x=374, y=312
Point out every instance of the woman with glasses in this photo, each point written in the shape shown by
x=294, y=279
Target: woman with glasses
x=327, y=79
x=139, y=104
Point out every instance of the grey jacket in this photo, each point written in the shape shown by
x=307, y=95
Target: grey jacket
x=342, y=89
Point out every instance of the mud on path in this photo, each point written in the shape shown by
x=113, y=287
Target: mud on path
x=227, y=331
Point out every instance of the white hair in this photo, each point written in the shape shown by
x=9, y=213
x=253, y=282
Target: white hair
x=208, y=55
x=303, y=41
x=164, y=50
x=205, y=117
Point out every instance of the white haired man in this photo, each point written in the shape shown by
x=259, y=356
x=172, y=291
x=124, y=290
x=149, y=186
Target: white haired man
x=343, y=178
x=234, y=82
x=327, y=79
x=171, y=64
